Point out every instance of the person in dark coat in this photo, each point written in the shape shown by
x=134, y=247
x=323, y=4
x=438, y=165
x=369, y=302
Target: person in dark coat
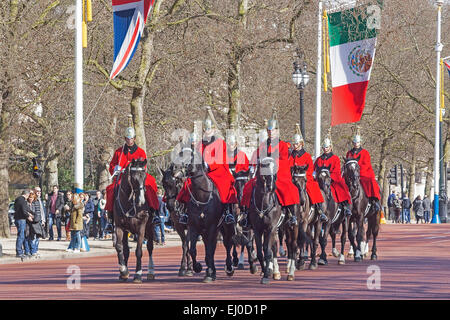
x=89, y=215
x=55, y=204
x=426, y=208
x=406, y=209
x=36, y=226
x=418, y=209
x=22, y=213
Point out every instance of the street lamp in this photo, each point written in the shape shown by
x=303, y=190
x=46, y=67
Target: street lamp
x=300, y=78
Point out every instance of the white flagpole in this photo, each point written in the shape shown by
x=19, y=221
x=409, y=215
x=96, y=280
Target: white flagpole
x=438, y=49
x=78, y=155
x=319, y=82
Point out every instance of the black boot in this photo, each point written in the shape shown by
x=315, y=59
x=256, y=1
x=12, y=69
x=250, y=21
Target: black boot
x=323, y=217
x=183, y=218
x=229, y=217
x=292, y=219
x=156, y=220
x=376, y=205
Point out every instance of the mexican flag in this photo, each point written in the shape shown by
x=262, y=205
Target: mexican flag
x=352, y=38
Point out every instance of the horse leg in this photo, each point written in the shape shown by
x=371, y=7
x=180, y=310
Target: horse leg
x=210, y=241
x=375, y=229
x=315, y=244
x=292, y=253
x=268, y=261
x=351, y=238
x=323, y=239
x=251, y=254
x=193, y=236
x=280, y=239
x=151, y=266
x=334, y=251
x=228, y=243
x=138, y=252
x=259, y=250
x=359, y=240
x=120, y=254
x=183, y=264
x=343, y=240
x=274, y=251
x=235, y=256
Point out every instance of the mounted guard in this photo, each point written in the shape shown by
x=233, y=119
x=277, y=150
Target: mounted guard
x=123, y=156
x=331, y=162
x=367, y=175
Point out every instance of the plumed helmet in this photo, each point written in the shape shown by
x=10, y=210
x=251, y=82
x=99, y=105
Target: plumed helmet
x=357, y=136
x=130, y=133
x=207, y=124
x=231, y=139
x=327, y=141
x=272, y=124
x=298, y=135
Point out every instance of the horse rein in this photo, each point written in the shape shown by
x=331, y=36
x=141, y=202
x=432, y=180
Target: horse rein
x=132, y=194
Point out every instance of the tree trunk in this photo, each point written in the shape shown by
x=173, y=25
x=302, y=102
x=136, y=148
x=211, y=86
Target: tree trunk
x=412, y=171
x=105, y=158
x=429, y=179
x=4, y=193
x=234, y=94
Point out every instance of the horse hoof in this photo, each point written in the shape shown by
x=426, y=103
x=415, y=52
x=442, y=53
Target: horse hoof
x=358, y=259
x=240, y=266
x=150, y=276
x=229, y=272
x=312, y=266
x=123, y=278
x=341, y=262
x=290, y=278
x=189, y=273
x=265, y=281
x=208, y=279
x=235, y=262
x=182, y=272
x=283, y=253
x=276, y=276
x=335, y=253
x=373, y=257
x=198, y=267
x=137, y=279
x=350, y=255
x=322, y=262
x=300, y=265
x=253, y=269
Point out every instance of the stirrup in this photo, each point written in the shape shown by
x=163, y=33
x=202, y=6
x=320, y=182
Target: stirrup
x=183, y=219
x=243, y=221
x=323, y=217
x=156, y=220
x=347, y=211
x=229, y=218
x=293, y=220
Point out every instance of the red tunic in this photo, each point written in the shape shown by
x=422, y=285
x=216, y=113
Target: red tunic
x=339, y=188
x=123, y=157
x=302, y=158
x=367, y=175
x=286, y=191
x=214, y=154
x=238, y=160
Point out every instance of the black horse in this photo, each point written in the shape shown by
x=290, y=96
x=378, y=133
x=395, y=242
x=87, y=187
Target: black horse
x=131, y=214
x=361, y=210
x=311, y=227
x=172, y=181
x=205, y=211
x=266, y=217
x=241, y=178
x=335, y=213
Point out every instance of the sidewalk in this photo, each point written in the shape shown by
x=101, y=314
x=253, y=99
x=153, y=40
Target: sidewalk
x=56, y=250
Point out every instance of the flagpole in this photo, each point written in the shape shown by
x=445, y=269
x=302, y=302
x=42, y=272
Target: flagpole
x=78, y=154
x=438, y=49
x=319, y=82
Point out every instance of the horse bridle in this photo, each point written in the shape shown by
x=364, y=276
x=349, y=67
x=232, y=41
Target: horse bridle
x=193, y=200
x=132, y=193
x=354, y=179
x=263, y=211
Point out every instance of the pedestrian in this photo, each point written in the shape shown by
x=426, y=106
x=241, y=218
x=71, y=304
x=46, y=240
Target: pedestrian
x=397, y=208
x=426, y=209
x=103, y=217
x=163, y=215
x=96, y=219
x=390, y=204
x=76, y=224
x=418, y=209
x=22, y=213
x=89, y=213
x=406, y=209
x=37, y=226
x=55, y=205
x=67, y=209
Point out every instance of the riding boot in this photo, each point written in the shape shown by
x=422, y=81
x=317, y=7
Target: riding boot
x=229, y=217
x=156, y=219
x=183, y=218
x=346, y=207
x=319, y=209
x=375, y=204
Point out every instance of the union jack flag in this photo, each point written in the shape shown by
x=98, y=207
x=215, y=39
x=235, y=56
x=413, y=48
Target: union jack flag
x=448, y=67
x=130, y=17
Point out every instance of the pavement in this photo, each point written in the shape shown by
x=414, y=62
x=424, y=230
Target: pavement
x=56, y=250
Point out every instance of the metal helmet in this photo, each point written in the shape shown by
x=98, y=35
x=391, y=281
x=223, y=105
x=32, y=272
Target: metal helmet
x=193, y=138
x=272, y=125
x=231, y=140
x=356, y=138
x=298, y=135
x=327, y=143
x=130, y=133
x=207, y=124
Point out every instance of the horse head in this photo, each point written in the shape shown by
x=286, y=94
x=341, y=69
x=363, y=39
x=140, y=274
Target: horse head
x=266, y=174
x=241, y=179
x=351, y=172
x=324, y=178
x=136, y=175
x=171, y=185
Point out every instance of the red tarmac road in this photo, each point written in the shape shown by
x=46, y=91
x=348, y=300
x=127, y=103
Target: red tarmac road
x=414, y=263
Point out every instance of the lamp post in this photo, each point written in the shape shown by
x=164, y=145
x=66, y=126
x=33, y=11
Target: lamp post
x=300, y=78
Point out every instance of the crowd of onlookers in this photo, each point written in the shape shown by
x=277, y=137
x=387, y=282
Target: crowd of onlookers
x=81, y=215
x=400, y=208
